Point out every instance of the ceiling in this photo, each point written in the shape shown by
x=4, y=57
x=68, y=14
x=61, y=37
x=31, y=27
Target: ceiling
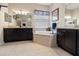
x=67, y=5
x=27, y=7
x=72, y=6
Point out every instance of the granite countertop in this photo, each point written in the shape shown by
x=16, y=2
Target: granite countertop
x=13, y=27
x=68, y=27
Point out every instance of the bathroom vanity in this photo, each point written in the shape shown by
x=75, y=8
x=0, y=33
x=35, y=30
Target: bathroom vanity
x=17, y=34
x=68, y=39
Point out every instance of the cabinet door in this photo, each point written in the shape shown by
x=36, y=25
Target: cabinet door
x=10, y=35
x=60, y=37
x=70, y=40
x=26, y=34
x=78, y=42
x=16, y=34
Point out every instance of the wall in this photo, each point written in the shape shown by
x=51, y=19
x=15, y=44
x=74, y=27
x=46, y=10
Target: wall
x=61, y=7
x=2, y=22
x=27, y=7
x=1, y=27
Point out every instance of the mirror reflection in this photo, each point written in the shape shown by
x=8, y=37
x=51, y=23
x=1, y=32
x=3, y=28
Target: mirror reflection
x=72, y=15
x=23, y=20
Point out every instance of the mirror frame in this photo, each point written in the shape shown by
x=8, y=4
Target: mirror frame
x=56, y=13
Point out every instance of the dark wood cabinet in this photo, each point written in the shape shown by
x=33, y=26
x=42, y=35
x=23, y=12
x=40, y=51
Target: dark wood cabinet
x=70, y=41
x=17, y=34
x=78, y=43
x=60, y=37
x=66, y=39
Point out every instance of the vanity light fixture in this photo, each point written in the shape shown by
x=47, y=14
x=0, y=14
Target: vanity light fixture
x=21, y=12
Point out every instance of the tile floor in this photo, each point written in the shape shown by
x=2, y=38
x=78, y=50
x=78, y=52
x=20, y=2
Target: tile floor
x=28, y=48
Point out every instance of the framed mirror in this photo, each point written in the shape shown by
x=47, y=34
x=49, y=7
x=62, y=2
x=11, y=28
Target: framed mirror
x=55, y=14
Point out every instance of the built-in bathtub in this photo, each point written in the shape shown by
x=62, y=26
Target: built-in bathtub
x=45, y=38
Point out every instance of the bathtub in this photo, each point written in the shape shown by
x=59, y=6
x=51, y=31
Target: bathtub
x=45, y=38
